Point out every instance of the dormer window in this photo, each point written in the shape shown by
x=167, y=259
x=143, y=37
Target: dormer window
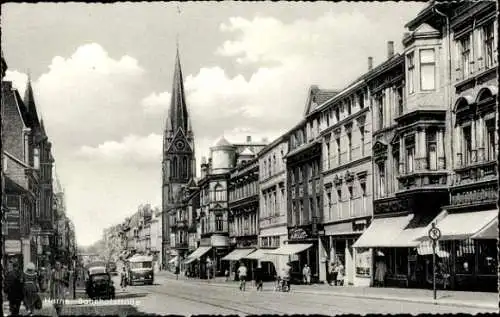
x=427, y=69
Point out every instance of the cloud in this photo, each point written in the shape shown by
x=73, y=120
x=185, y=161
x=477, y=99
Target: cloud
x=156, y=103
x=132, y=148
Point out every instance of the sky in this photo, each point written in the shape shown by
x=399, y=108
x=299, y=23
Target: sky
x=102, y=76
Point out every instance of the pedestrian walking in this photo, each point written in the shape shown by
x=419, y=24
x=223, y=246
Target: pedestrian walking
x=306, y=274
x=242, y=276
x=13, y=287
x=258, y=277
x=31, y=289
x=123, y=278
x=57, y=286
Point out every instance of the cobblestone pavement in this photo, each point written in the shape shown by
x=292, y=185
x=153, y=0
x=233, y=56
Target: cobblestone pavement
x=170, y=296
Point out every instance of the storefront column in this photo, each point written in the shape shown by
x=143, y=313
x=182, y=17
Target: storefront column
x=440, y=149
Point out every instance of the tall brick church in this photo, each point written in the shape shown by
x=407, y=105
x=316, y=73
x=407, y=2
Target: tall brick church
x=178, y=164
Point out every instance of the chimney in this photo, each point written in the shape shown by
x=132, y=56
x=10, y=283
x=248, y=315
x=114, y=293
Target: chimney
x=390, y=49
x=370, y=63
x=249, y=139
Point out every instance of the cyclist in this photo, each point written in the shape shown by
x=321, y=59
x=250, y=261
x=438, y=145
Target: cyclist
x=285, y=277
x=242, y=275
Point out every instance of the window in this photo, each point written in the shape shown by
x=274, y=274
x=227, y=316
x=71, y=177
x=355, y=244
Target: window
x=348, y=105
x=337, y=142
x=36, y=158
x=490, y=139
x=487, y=257
x=362, y=135
x=337, y=114
x=300, y=174
x=488, y=37
x=184, y=167
x=361, y=101
x=339, y=195
x=301, y=212
x=219, y=193
x=174, y=167
x=427, y=69
x=431, y=150
x=362, y=186
x=317, y=127
x=219, y=223
x=329, y=202
x=311, y=209
x=465, y=53
x=381, y=177
x=410, y=155
x=411, y=73
x=380, y=108
x=349, y=146
x=399, y=100
x=292, y=177
x=467, y=144
x=328, y=153
x=465, y=256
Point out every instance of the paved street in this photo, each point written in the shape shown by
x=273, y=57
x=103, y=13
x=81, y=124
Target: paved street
x=172, y=296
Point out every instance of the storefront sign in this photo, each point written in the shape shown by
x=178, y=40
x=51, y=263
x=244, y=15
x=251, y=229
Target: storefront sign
x=13, y=246
x=219, y=241
x=475, y=196
x=298, y=234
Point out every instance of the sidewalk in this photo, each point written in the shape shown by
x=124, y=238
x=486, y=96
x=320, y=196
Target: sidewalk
x=47, y=310
x=449, y=298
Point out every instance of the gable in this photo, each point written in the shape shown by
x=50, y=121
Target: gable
x=179, y=144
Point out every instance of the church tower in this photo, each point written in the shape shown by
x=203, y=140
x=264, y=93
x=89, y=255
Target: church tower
x=178, y=164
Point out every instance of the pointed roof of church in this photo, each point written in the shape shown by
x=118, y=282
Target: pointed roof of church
x=177, y=114
x=29, y=102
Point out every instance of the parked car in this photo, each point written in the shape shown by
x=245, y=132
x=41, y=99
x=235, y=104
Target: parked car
x=140, y=270
x=99, y=284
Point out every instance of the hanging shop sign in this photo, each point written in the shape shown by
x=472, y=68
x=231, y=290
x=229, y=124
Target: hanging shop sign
x=298, y=234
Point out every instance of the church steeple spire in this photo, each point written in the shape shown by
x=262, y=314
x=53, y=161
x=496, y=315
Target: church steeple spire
x=29, y=102
x=178, y=115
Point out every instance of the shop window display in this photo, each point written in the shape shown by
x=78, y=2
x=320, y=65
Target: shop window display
x=487, y=257
x=363, y=262
x=465, y=257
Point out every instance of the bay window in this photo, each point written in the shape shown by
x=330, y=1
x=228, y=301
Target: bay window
x=465, y=55
x=488, y=38
x=431, y=150
x=490, y=139
x=411, y=72
x=427, y=69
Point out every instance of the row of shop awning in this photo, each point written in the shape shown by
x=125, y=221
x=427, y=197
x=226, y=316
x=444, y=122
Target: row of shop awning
x=395, y=232
x=250, y=253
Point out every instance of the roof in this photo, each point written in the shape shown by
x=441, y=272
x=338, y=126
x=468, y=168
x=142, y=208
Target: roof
x=247, y=152
x=178, y=117
x=221, y=141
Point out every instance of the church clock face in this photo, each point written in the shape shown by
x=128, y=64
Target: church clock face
x=180, y=145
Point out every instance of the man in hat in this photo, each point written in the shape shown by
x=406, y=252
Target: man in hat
x=13, y=287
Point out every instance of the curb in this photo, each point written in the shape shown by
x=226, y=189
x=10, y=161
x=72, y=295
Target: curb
x=376, y=297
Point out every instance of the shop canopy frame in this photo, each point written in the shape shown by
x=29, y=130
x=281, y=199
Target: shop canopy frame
x=461, y=225
x=198, y=253
x=238, y=254
x=259, y=255
x=384, y=232
x=290, y=249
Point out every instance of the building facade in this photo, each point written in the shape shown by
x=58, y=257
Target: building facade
x=273, y=229
x=347, y=178
x=178, y=163
x=305, y=190
x=430, y=152
x=243, y=210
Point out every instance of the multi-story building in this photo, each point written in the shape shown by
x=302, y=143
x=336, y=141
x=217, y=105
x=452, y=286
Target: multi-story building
x=304, y=190
x=213, y=219
x=347, y=177
x=243, y=209
x=178, y=164
x=430, y=145
x=156, y=230
x=468, y=224
x=273, y=230
x=183, y=222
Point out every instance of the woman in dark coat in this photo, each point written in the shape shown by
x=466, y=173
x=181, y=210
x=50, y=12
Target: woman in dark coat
x=31, y=288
